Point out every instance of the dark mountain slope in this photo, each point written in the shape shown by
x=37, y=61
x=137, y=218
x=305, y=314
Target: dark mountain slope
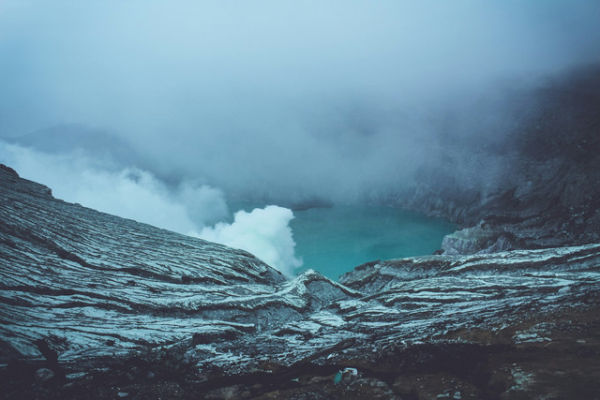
x=538, y=186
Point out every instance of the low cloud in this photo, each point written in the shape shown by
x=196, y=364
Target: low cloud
x=281, y=101
x=137, y=194
x=264, y=232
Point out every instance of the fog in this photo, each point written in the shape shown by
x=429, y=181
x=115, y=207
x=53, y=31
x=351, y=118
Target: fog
x=276, y=101
x=190, y=208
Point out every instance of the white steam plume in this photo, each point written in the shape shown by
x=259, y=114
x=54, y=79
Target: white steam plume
x=137, y=194
x=264, y=232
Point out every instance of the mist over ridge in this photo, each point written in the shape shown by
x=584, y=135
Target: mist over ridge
x=282, y=99
x=186, y=107
x=276, y=199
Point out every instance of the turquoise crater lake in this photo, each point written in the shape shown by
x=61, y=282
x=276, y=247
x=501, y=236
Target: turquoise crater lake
x=334, y=240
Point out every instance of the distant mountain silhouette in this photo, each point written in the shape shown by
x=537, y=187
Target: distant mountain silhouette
x=93, y=142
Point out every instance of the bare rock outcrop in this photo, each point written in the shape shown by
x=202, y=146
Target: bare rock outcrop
x=98, y=306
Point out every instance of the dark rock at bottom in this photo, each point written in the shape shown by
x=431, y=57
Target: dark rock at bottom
x=463, y=364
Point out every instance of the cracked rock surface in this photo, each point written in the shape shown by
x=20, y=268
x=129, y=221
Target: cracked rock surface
x=96, y=306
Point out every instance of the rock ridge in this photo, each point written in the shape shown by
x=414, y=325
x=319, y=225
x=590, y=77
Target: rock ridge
x=103, y=307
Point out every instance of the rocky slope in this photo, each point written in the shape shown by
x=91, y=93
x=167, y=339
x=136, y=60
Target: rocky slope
x=95, y=306
x=535, y=185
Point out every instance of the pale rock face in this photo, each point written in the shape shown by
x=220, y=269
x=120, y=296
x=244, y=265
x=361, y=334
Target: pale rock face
x=88, y=296
x=477, y=239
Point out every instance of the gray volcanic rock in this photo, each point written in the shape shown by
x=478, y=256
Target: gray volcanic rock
x=66, y=270
x=112, y=308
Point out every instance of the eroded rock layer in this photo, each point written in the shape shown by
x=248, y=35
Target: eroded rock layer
x=98, y=306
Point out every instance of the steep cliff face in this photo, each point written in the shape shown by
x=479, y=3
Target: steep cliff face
x=98, y=306
x=548, y=189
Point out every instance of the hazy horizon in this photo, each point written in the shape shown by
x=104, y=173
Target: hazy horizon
x=188, y=105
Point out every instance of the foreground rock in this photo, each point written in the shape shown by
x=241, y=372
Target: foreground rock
x=95, y=306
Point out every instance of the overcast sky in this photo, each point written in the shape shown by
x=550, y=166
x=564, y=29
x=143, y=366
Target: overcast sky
x=277, y=97
x=185, y=106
